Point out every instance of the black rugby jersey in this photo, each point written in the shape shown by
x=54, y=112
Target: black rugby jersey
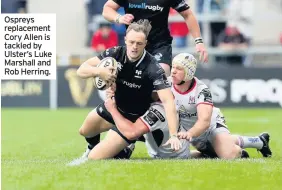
x=157, y=12
x=136, y=80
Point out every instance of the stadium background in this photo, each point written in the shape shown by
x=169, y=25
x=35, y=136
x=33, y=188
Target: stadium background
x=40, y=119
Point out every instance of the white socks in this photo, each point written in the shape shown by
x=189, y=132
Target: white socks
x=250, y=142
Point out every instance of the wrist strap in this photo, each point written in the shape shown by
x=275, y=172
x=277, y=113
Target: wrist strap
x=173, y=135
x=199, y=40
x=117, y=19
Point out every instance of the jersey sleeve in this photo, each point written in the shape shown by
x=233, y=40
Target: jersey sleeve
x=154, y=118
x=157, y=75
x=120, y=2
x=111, y=52
x=204, y=97
x=179, y=5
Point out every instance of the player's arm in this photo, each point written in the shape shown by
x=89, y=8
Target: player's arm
x=129, y=129
x=184, y=10
x=192, y=23
x=167, y=100
x=89, y=67
x=204, y=118
x=162, y=87
x=110, y=12
x=204, y=110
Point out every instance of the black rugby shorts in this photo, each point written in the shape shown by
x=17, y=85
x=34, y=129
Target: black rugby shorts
x=161, y=51
x=103, y=112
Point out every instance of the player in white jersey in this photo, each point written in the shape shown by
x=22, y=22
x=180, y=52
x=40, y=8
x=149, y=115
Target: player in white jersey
x=205, y=124
x=154, y=121
x=200, y=122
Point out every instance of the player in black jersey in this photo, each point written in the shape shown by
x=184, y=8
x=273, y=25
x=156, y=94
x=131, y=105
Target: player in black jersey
x=139, y=74
x=157, y=12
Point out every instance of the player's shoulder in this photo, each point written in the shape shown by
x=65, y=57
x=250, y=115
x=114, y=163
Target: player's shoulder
x=150, y=58
x=116, y=52
x=201, y=87
x=200, y=84
x=152, y=64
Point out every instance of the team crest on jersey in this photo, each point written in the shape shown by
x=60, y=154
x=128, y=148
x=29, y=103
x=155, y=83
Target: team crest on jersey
x=138, y=74
x=192, y=100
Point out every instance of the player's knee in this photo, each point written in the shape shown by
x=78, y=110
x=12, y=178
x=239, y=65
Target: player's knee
x=233, y=153
x=82, y=131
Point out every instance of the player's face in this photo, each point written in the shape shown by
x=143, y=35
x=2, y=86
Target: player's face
x=135, y=44
x=177, y=74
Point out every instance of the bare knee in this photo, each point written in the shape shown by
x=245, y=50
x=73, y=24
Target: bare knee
x=82, y=132
x=93, y=125
x=233, y=153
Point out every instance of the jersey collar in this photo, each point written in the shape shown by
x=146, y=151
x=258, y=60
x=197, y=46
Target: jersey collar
x=138, y=61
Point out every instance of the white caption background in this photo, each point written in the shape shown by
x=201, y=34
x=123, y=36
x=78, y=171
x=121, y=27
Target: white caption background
x=28, y=54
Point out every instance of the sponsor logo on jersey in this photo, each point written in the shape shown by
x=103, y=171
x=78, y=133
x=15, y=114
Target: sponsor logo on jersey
x=158, y=114
x=151, y=118
x=145, y=6
x=158, y=56
x=183, y=113
x=131, y=85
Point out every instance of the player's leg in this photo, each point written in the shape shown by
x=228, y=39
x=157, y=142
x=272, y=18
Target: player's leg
x=115, y=145
x=97, y=121
x=261, y=143
x=195, y=154
x=223, y=143
x=109, y=147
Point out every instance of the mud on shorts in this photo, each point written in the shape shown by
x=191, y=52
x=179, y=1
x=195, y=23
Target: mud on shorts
x=204, y=142
x=161, y=51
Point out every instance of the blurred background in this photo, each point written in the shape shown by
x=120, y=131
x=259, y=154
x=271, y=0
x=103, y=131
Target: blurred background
x=243, y=39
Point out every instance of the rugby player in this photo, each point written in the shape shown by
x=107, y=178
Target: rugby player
x=157, y=12
x=139, y=73
x=200, y=122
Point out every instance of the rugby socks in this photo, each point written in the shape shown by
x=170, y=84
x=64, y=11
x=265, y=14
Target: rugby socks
x=250, y=142
x=92, y=141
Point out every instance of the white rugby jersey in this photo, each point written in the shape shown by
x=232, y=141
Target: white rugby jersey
x=156, y=122
x=186, y=104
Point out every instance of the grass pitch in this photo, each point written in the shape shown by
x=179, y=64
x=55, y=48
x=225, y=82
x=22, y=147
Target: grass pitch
x=37, y=144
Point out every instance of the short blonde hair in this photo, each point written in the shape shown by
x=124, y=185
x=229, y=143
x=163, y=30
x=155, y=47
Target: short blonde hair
x=140, y=26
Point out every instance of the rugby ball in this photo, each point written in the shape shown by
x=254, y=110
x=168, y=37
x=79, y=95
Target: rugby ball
x=99, y=83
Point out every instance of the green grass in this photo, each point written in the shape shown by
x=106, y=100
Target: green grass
x=37, y=144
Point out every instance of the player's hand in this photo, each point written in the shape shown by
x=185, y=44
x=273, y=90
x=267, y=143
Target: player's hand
x=110, y=104
x=203, y=54
x=126, y=19
x=110, y=92
x=107, y=74
x=174, y=143
x=185, y=135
